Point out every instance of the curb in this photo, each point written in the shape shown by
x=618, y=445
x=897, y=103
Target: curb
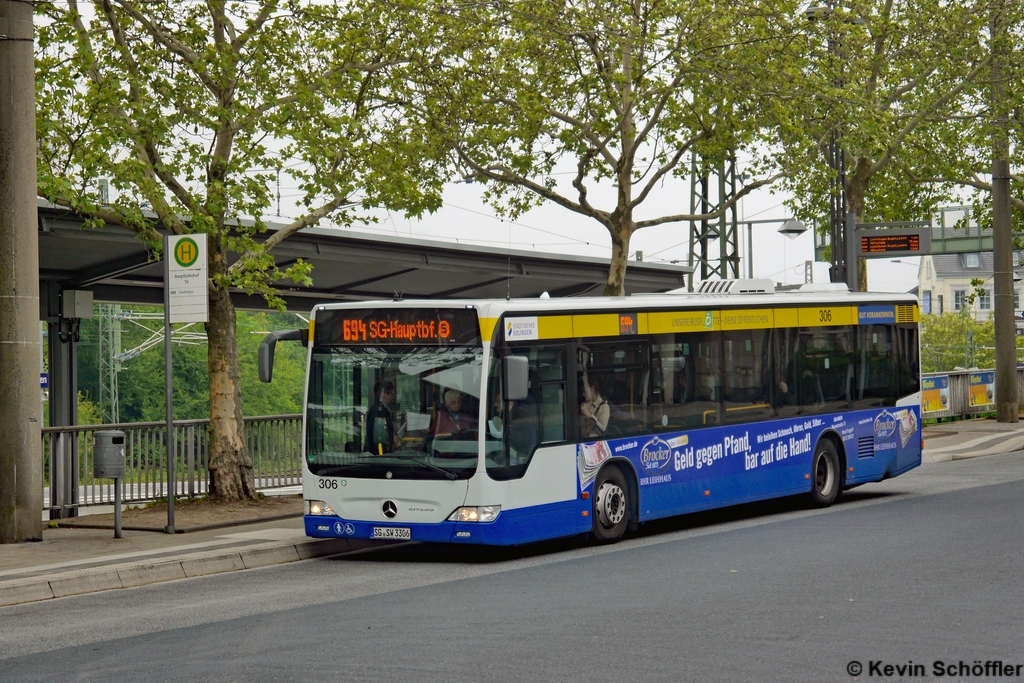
x=144, y=572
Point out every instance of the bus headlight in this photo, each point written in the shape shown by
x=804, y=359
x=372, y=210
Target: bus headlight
x=482, y=513
x=318, y=508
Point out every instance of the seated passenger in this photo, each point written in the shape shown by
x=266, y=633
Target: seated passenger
x=451, y=422
x=594, y=409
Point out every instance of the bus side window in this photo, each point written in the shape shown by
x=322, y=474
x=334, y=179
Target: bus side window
x=620, y=371
x=826, y=381
x=785, y=372
x=908, y=363
x=538, y=419
x=746, y=389
x=875, y=367
x=687, y=374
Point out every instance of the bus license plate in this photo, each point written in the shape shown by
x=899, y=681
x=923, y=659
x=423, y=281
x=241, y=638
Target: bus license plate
x=403, y=533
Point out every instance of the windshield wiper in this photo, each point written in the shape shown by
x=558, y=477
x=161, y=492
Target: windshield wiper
x=338, y=469
x=448, y=473
x=375, y=460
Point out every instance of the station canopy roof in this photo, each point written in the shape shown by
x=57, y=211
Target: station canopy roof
x=347, y=266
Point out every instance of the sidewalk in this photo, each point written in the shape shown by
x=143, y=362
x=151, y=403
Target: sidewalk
x=76, y=561
x=971, y=439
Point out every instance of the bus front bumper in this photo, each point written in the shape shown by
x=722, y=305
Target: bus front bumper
x=512, y=527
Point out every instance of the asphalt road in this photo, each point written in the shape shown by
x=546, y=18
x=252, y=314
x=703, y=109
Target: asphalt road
x=922, y=568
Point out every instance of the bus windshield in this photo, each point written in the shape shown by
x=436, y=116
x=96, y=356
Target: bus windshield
x=394, y=412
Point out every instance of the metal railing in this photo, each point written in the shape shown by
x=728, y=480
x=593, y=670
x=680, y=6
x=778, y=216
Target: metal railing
x=274, y=443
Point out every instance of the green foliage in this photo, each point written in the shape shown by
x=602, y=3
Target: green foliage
x=88, y=411
x=945, y=339
x=881, y=76
x=141, y=379
x=191, y=109
x=622, y=92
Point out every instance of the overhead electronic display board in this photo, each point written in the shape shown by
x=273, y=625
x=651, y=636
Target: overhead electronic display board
x=893, y=242
x=390, y=326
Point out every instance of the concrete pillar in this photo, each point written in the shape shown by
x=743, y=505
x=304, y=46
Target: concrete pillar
x=21, y=478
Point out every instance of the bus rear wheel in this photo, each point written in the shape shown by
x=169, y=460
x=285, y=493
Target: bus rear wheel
x=611, y=506
x=825, y=474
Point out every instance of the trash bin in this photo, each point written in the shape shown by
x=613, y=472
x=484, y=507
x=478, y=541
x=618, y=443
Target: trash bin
x=108, y=454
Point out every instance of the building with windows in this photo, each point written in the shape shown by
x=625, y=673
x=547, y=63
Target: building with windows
x=944, y=283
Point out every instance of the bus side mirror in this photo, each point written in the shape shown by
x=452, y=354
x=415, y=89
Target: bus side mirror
x=517, y=377
x=265, y=358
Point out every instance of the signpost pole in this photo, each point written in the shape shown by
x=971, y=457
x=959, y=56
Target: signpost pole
x=186, y=300
x=168, y=384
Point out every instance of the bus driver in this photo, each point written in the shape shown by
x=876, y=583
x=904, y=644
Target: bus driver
x=451, y=422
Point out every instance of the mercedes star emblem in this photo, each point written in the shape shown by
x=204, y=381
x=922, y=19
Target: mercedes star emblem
x=390, y=509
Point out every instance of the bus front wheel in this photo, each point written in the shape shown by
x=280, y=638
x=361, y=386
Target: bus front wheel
x=825, y=474
x=611, y=506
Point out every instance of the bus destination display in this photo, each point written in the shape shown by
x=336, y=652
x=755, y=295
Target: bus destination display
x=893, y=242
x=355, y=330
x=397, y=326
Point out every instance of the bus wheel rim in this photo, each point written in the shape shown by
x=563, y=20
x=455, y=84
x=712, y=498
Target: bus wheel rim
x=823, y=475
x=611, y=504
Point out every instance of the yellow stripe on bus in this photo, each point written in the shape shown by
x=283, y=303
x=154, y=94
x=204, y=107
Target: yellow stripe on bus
x=823, y=316
x=555, y=327
x=748, y=319
x=786, y=317
x=662, y=322
x=596, y=325
x=487, y=326
x=665, y=322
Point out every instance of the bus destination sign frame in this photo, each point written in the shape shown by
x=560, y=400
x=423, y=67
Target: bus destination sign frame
x=887, y=243
x=397, y=326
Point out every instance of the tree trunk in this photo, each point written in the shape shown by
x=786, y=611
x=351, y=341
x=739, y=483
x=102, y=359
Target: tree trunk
x=855, y=191
x=230, y=464
x=616, y=285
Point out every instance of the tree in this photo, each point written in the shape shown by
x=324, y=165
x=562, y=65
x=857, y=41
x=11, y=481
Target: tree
x=961, y=149
x=191, y=109
x=622, y=92
x=877, y=74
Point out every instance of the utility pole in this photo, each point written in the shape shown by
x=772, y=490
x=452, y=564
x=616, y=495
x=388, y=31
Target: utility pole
x=1002, y=238
x=21, y=477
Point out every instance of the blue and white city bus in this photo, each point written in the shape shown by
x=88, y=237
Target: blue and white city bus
x=508, y=422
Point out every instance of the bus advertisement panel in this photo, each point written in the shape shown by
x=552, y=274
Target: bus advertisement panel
x=935, y=394
x=981, y=388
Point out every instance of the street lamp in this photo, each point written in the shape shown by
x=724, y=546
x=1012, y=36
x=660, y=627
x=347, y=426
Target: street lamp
x=792, y=228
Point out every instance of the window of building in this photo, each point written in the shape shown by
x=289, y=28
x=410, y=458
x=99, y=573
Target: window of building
x=959, y=299
x=1016, y=301
x=1016, y=259
x=972, y=260
x=985, y=300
